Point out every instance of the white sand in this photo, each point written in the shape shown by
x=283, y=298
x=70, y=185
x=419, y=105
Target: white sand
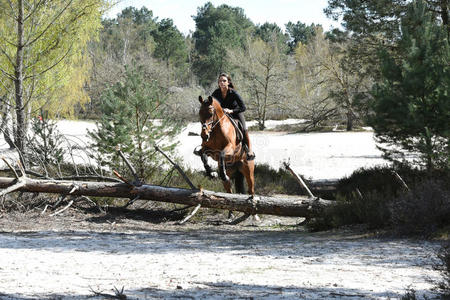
x=212, y=264
x=218, y=263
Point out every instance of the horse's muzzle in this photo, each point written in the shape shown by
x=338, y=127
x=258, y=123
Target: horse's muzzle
x=205, y=133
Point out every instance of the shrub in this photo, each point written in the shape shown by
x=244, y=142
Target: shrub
x=376, y=197
x=269, y=181
x=422, y=210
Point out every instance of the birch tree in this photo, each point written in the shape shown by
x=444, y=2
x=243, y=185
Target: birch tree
x=42, y=61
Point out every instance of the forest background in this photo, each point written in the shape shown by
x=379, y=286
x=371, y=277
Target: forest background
x=387, y=67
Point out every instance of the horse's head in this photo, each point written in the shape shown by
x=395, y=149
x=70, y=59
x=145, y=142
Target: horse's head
x=208, y=117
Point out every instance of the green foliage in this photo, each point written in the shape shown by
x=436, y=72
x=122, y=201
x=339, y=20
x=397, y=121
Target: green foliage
x=300, y=33
x=125, y=36
x=217, y=29
x=54, y=61
x=134, y=119
x=170, y=45
x=270, y=32
x=411, y=105
x=364, y=17
x=45, y=146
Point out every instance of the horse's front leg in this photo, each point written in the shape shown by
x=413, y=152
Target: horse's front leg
x=207, y=167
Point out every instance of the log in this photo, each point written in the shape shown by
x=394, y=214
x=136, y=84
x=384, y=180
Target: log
x=282, y=205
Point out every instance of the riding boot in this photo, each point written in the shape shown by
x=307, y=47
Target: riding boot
x=247, y=146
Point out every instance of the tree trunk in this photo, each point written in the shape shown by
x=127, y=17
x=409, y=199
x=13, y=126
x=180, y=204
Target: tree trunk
x=282, y=205
x=18, y=81
x=349, y=121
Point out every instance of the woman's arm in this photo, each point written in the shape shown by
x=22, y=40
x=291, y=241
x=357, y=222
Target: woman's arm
x=241, y=106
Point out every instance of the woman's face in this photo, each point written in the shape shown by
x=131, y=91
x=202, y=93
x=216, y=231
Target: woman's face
x=223, y=82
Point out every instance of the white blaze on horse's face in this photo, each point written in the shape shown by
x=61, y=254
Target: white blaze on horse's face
x=208, y=124
x=205, y=133
x=206, y=118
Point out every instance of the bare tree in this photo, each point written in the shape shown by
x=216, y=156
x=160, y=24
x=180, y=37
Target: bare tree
x=264, y=77
x=329, y=81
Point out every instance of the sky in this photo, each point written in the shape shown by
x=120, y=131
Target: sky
x=258, y=11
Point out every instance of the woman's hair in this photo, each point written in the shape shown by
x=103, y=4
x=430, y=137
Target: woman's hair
x=230, y=83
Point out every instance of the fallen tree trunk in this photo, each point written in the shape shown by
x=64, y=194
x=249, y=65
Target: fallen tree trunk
x=299, y=206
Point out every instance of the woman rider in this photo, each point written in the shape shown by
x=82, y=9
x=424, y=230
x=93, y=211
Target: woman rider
x=232, y=103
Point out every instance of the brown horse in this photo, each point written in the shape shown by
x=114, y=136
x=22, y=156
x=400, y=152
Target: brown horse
x=220, y=142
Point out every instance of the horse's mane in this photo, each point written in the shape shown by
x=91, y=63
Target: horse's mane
x=217, y=105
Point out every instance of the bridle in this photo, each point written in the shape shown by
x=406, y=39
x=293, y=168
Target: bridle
x=214, y=124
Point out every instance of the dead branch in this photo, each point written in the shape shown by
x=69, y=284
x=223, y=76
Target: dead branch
x=131, y=201
x=400, y=179
x=137, y=181
x=62, y=209
x=176, y=167
x=19, y=184
x=117, y=294
x=194, y=211
x=123, y=179
x=299, y=180
x=10, y=167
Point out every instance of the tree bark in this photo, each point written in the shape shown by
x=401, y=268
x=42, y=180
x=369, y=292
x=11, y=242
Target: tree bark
x=18, y=81
x=282, y=205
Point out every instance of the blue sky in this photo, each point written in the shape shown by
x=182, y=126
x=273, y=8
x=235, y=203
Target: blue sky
x=259, y=11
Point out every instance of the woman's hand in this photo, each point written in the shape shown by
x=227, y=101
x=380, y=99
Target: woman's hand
x=228, y=111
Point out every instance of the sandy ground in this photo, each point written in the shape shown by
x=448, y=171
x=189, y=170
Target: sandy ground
x=74, y=255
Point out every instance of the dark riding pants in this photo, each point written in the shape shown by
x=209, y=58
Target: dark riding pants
x=240, y=117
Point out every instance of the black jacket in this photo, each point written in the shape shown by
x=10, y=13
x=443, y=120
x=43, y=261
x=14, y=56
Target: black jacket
x=232, y=101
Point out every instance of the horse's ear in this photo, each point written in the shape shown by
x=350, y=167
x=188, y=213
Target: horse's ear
x=210, y=100
x=200, y=99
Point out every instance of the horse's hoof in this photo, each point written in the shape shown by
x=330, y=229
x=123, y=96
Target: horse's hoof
x=251, y=155
x=256, y=218
x=225, y=178
x=211, y=175
x=198, y=150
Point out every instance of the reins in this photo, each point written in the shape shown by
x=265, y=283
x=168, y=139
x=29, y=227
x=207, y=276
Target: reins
x=214, y=122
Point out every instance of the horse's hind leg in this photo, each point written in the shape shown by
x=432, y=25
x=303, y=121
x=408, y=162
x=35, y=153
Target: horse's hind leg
x=248, y=169
x=227, y=186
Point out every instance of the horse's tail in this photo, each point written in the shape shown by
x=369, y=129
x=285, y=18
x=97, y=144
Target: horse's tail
x=239, y=182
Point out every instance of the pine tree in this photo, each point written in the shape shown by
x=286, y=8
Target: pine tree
x=134, y=119
x=45, y=146
x=412, y=103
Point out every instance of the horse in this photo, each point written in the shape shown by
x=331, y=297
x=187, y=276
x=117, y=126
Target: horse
x=220, y=142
